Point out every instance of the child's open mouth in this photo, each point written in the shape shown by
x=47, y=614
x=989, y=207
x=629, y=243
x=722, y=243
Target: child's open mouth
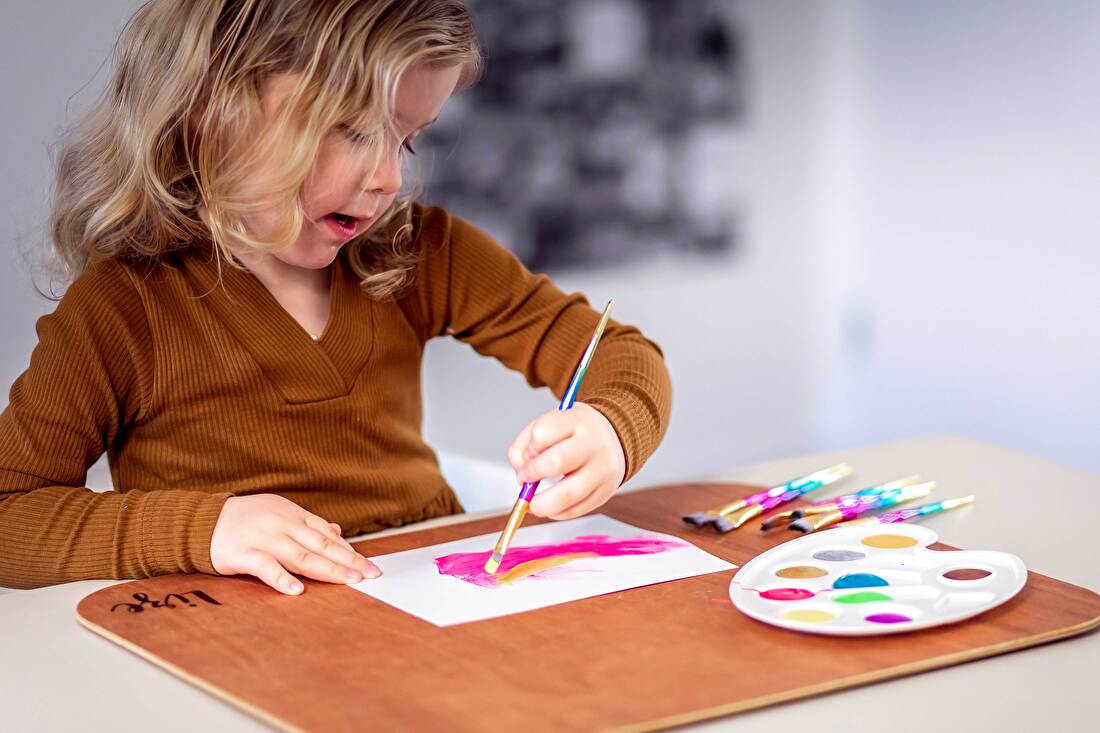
x=342, y=224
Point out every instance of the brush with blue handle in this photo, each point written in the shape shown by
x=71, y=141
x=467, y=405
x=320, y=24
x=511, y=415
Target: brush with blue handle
x=524, y=501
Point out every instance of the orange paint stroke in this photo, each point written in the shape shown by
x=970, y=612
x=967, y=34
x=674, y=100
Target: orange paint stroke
x=543, y=563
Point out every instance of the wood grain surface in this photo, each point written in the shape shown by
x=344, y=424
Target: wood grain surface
x=334, y=659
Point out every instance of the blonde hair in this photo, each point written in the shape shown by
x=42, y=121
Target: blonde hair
x=170, y=154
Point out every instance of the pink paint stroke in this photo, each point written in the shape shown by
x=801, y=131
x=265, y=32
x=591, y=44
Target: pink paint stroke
x=470, y=566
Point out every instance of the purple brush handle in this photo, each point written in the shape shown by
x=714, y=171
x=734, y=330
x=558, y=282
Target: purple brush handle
x=528, y=491
x=900, y=515
x=774, y=501
x=784, y=493
x=854, y=498
x=760, y=497
x=876, y=502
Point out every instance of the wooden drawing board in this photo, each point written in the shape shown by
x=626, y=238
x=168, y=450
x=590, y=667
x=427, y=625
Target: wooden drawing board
x=334, y=659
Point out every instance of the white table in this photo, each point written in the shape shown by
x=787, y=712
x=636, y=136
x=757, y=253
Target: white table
x=56, y=675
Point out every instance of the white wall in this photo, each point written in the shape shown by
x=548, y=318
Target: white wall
x=49, y=51
x=964, y=167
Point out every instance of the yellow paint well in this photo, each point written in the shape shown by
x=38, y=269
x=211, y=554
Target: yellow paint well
x=811, y=615
x=889, y=541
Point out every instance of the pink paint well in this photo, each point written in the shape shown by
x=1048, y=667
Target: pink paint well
x=787, y=594
x=470, y=566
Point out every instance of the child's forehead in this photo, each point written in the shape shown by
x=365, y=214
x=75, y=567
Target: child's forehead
x=421, y=94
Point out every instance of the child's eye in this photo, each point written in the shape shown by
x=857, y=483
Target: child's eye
x=357, y=138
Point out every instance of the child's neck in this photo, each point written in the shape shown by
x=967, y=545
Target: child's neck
x=303, y=292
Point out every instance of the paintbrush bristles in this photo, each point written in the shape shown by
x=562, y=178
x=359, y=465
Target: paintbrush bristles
x=493, y=563
x=776, y=520
x=814, y=522
x=702, y=519
x=737, y=519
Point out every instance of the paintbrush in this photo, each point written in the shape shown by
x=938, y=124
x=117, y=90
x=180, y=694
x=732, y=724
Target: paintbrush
x=904, y=515
x=519, y=510
x=837, y=502
x=734, y=520
x=814, y=522
x=812, y=481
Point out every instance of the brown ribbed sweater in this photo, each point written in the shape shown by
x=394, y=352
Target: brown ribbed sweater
x=199, y=390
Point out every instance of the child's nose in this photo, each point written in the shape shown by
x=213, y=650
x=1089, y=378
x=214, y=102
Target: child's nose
x=385, y=180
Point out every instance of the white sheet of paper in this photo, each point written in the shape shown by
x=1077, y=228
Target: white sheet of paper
x=411, y=581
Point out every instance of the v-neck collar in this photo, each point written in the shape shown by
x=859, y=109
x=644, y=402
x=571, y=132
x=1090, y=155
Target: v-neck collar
x=301, y=368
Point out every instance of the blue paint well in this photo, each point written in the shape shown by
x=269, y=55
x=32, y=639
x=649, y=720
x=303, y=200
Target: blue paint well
x=859, y=580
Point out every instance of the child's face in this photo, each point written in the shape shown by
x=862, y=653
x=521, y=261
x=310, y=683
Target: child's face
x=340, y=182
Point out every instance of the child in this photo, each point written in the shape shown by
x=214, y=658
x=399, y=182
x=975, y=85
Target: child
x=251, y=299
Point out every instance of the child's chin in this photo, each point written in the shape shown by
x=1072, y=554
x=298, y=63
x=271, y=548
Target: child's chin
x=311, y=258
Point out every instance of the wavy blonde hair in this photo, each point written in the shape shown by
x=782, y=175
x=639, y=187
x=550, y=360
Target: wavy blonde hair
x=174, y=149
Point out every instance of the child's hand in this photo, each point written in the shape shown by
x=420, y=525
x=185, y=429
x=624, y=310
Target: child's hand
x=266, y=535
x=580, y=445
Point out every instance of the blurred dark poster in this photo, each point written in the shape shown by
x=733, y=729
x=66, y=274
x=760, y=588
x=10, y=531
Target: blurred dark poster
x=600, y=132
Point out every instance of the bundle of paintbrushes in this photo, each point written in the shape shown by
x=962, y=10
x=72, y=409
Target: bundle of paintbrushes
x=848, y=511
x=850, y=508
x=837, y=502
x=736, y=513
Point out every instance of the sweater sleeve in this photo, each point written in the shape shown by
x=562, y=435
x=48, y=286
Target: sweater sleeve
x=89, y=380
x=473, y=289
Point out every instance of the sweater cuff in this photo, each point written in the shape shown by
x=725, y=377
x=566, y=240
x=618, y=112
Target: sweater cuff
x=176, y=528
x=635, y=422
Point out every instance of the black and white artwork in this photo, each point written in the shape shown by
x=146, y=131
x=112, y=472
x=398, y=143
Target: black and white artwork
x=600, y=131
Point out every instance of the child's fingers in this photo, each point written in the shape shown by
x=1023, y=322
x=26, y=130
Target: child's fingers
x=326, y=528
x=548, y=430
x=584, y=506
x=337, y=551
x=519, y=446
x=568, y=492
x=303, y=561
x=336, y=529
x=558, y=460
x=265, y=567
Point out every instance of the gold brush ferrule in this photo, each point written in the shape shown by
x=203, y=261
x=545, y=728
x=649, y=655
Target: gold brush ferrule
x=738, y=518
x=818, y=509
x=519, y=511
x=775, y=519
x=819, y=521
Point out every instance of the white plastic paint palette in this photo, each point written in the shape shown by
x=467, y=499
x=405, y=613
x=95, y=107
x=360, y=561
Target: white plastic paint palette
x=855, y=581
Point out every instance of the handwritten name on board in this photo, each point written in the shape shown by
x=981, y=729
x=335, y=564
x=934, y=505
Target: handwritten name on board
x=172, y=600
